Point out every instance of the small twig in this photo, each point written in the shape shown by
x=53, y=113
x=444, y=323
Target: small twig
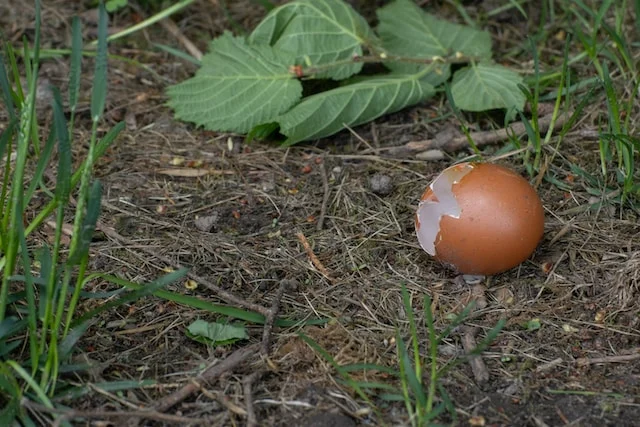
x=583, y=361
x=173, y=29
x=479, y=369
x=480, y=138
x=208, y=375
x=549, y=365
x=247, y=383
x=312, y=256
x=325, y=197
x=271, y=318
x=70, y=414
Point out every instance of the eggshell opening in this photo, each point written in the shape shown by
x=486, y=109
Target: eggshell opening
x=438, y=203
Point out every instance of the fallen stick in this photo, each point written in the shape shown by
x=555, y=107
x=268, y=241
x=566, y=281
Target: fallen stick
x=481, y=138
x=65, y=415
x=312, y=256
x=479, y=369
x=583, y=361
x=208, y=375
x=271, y=318
x=325, y=197
x=247, y=382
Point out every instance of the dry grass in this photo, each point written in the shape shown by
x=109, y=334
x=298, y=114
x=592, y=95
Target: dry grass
x=582, y=284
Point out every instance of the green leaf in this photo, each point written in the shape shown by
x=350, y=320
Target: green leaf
x=214, y=333
x=328, y=112
x=262, y=131
x=317, y=32
x=407, y=31
x=238, y=87
x=481, y=87
x=113, y=5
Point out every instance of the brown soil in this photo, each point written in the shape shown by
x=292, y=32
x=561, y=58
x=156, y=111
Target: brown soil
x=582, y=284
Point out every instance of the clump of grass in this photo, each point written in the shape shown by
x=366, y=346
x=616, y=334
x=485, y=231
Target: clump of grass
x=416, y=380
x=41, y=288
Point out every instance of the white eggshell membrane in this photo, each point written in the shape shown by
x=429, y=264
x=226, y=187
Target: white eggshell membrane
x=431, y=211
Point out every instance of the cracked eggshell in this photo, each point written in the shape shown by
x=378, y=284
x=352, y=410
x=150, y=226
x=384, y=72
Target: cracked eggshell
x=480, y=218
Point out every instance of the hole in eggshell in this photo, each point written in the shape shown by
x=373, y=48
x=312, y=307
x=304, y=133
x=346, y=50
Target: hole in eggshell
x=439, y=203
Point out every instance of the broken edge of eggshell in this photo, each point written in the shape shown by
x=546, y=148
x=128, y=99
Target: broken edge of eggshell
x=443, y=202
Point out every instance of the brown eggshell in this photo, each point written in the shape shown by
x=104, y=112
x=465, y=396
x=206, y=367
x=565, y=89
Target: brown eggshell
x=500, y=224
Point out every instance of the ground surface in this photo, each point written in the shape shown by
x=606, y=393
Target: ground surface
x=582, y=284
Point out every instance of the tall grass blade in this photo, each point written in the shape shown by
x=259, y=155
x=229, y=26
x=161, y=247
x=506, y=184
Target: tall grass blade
x=17, y=189
x=413, y=330
x=7, y=93
x=99, y=92
x=88, y=224
x=43, y=161
x=148, y=289
x=32, y=309
x=63, y=183
x=42, y=396
x=76, y=64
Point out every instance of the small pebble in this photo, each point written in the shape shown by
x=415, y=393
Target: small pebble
x=207, y=223
x=381, y=184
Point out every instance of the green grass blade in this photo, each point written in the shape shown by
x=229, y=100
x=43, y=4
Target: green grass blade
x=43, y=161
x=17, y=93
x=32, y=308
x=112, y=386
x=6, y=138
x=369, y=367
x=88, y=224
x=148, y=289
x=177, y=53
x=456, y=321
x=76, y=63
x=612, y=102
x=69, y=341
x=345, y=375
x=99, y=92
x=63, y=184
x=17, y=190
x=414, y=382
x=413, y=330
x=5, y=88
x=372, y=385
x=194, y=302
x=148, y=22
x=100, y=149
x=42, y=396
x=43, y=257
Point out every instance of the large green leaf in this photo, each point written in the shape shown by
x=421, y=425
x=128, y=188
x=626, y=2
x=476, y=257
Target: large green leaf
x=317, y=32
x=328, y=112
x=406, y=30
x=481, y=87
x=238, y=87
